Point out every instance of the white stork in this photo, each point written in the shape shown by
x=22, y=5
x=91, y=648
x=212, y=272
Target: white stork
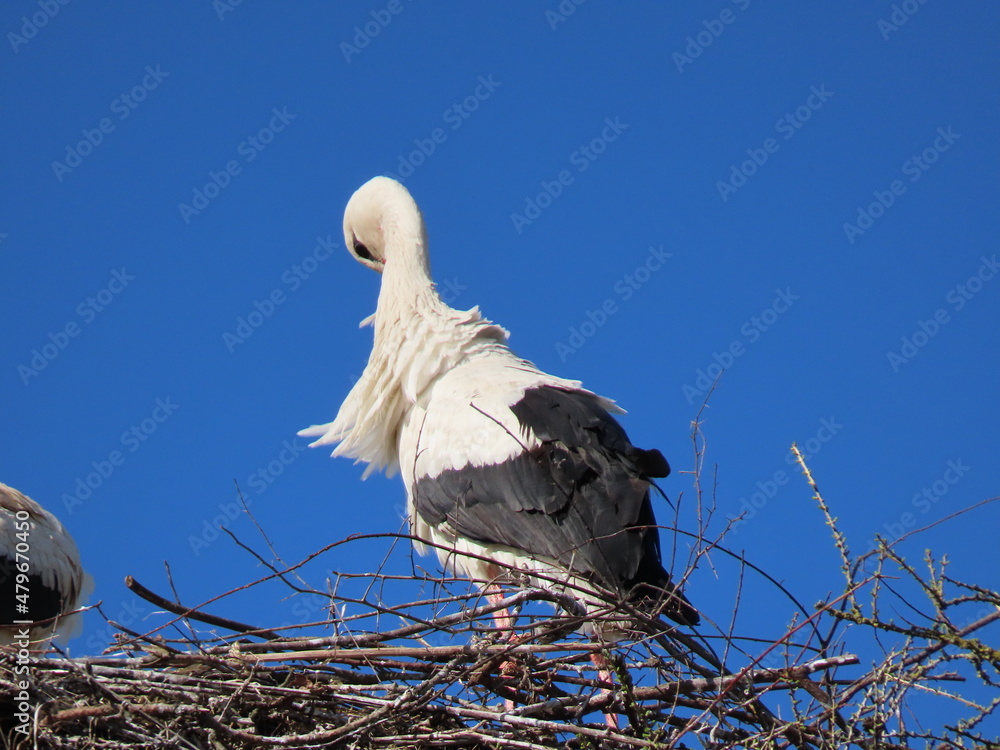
x=499, y=459
x=39, y=570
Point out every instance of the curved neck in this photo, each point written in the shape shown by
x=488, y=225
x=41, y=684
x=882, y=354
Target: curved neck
x=407, y=286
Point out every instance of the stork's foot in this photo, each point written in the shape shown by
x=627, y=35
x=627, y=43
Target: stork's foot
x=512, y=669
x=509, y=669
x=605, y=677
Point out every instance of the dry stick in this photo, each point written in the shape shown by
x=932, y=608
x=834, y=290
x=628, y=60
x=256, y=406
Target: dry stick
x=298, y=565
x=402, y=632
x=385, y=559
x=838, y=538
x=551, y=726
x=449, y=738
x=773, y=677
x=431, y=652
x=840, y=541
x=192, y=639
x=179, y=609
x=280, y=575
x=950, y=516
x=186, y=681
x=135, y=637
x=728, y=639
x=699, y=458
x=267, y=541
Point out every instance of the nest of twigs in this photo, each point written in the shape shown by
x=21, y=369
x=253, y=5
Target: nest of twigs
x=445, y=676
x=394, y=688
x=369, y=672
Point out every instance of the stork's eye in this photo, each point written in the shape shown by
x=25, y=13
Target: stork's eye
x=362, y=252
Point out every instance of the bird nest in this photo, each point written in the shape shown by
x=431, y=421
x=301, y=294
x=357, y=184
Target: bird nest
x=439, y=678
x=438, y=672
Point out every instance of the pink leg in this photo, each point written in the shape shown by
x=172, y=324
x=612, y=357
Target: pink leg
x=502, y=618
x=605, y=676
x=505, y=624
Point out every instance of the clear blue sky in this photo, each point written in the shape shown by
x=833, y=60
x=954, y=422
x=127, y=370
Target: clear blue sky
x=641, y=193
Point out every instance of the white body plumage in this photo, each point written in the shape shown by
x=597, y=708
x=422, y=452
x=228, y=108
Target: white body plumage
x=500, y=460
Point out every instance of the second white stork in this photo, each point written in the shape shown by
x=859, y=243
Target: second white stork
x=41, y=579
x=505, y=467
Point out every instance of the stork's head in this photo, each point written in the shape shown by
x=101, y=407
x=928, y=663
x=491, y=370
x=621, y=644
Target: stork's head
x=382, y=219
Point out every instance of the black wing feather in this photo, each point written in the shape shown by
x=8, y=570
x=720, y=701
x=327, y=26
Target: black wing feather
x=580, y=497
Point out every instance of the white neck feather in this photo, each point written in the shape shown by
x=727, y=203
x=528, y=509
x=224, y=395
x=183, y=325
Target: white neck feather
x=417, y=339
